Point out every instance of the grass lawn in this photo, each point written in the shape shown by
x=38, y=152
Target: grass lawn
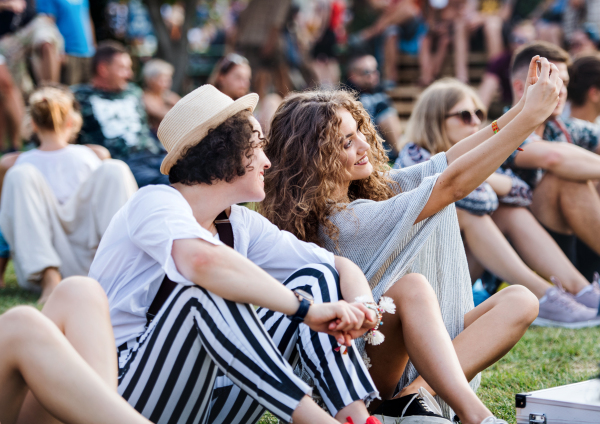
x=545, y=357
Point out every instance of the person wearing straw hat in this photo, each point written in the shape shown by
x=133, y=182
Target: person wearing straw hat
x=180, y=301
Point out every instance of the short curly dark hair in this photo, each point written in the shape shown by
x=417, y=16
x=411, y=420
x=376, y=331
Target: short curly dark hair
x=222, y=155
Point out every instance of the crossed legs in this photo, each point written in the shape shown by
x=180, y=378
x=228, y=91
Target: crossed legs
x=417, y=331
x=48, y=355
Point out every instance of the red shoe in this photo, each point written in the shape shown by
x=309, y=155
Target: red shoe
x=372, y=420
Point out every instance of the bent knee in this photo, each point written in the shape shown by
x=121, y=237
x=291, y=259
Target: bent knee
x=523, y=303
x=81, y=291
x=410, y=287
x=21, y=321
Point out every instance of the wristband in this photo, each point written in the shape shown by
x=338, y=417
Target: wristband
x=306, y=300
x=495, y=127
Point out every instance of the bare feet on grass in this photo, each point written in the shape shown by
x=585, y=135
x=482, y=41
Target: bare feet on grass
x=50, y=279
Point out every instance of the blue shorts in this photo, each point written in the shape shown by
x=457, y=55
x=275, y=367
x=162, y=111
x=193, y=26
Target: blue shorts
x=4, y=248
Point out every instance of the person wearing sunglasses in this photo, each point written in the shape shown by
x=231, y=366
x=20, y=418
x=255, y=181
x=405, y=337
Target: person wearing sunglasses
x=446, y=113
x=232, y=76
x=363, y=76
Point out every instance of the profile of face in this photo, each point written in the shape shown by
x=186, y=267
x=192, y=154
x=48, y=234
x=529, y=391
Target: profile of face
x=117, y=72
x=355, y=148
x=563, y=74
x=251, y=186
x=462, y=120
x=364, y=74
x=160, y=82
x=236, y=82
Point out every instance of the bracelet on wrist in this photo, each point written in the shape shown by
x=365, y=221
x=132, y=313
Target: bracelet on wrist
x=386, y=305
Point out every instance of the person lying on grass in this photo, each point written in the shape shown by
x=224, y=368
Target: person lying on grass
x=330, y=184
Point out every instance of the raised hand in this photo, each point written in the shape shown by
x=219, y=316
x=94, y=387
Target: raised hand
x=543, y=91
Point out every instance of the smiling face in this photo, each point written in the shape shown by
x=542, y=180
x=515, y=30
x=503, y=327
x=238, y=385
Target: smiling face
x=456, y=128
x=251, y=185
x=355, y=149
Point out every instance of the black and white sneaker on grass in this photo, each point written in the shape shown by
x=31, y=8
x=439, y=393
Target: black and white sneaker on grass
x=419, y=408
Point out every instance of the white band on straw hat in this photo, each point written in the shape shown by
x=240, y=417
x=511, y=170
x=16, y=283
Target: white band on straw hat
x=188, y=122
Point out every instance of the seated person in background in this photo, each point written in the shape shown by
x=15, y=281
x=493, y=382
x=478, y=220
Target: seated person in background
x=60, y=363
x=497, y=73
x=232, y=76
x=158, y=97
x=363, y=77
x=449, y=111
x=58, y=199
x=584, y=88
x=114, y=115
x=558, y=161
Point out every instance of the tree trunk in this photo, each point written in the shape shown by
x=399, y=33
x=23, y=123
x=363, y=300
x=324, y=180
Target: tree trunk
x=173, y=51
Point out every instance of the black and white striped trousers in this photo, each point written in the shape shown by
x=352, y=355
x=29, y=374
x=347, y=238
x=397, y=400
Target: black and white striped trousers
x=168, y=373
x=340, y=378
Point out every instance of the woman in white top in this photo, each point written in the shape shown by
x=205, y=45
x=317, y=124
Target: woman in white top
x=330, y=184
x=58, y=199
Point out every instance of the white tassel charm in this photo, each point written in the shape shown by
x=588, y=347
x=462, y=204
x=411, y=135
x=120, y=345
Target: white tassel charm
x=386, y=305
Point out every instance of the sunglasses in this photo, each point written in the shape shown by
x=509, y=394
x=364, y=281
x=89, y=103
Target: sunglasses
x=231, y=60
x=467, y=116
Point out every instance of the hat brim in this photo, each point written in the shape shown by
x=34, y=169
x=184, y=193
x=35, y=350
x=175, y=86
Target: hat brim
x=198, y=132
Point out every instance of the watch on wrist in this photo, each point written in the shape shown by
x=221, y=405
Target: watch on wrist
x=306, y=300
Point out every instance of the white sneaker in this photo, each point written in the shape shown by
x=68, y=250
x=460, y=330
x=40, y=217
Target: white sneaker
x=560, y=309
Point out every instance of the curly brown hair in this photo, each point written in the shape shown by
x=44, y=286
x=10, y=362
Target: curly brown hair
x=306, y=172
x=223, y=154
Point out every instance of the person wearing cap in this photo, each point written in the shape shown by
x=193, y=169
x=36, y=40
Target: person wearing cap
x=181, y=301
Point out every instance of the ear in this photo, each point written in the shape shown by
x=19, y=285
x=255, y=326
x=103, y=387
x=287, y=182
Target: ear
x=518, y=89
x=102, y=69
x=593, y=95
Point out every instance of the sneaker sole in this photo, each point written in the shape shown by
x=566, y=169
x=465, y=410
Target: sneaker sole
x=544, y=322
x=412, y=420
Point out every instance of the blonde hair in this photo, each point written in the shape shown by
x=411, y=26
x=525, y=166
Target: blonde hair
x=426, y=126
x=50, y=107
x=156, y=67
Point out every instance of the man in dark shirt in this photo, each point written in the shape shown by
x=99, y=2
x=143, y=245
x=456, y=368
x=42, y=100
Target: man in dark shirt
x=114, y=115
x=363, y=77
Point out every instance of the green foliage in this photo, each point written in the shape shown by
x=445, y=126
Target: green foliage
x=545, y=357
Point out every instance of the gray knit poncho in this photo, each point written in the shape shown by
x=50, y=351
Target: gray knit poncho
x=382, y=240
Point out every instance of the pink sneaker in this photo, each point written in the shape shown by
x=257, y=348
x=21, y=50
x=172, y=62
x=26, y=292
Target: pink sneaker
x=560, y=309
x=590, y=296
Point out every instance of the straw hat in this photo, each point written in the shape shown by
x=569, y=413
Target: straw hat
x=188, y=122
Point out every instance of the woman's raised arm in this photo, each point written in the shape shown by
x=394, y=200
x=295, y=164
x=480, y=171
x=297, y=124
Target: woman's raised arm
x=468, y=168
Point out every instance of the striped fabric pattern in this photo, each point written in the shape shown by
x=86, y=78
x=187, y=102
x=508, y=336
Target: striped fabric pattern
x=381, y=238
x=340, y=378
x=169, y=373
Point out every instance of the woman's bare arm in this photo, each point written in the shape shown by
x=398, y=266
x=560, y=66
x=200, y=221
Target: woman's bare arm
x=469, y=169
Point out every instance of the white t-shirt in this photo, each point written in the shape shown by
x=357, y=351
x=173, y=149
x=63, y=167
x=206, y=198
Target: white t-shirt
x=135, y=252
x=64, y=169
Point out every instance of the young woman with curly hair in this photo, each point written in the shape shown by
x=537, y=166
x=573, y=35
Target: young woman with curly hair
x=329, y=183
x=449, y=111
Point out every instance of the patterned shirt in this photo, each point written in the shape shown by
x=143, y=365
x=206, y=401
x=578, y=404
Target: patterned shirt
x=115, y=120
x=572, y=130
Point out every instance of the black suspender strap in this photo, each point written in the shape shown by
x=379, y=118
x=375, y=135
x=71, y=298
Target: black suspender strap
x=167, y=286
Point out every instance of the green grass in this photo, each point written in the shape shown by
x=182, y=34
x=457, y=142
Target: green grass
x=545, y=357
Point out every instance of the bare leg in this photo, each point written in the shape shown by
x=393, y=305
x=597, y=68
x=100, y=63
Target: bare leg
x=569, y=206
x=50, y=279
x=418, y=313
x=48, y=68
x=3, y=264
x=461, y=50
x=79, y=308
x=537, y=248
x=492, y=28
x=475, y=268
x=509, y=313
x=494, y=252
x=390, y=64
x=35, y=355
x=6, y=162
x=426, y=61
x=12, y=106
